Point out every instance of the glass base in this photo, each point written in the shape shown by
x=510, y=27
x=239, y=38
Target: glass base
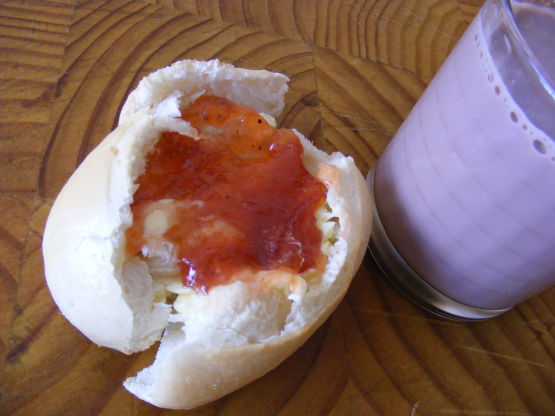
x=409, y=282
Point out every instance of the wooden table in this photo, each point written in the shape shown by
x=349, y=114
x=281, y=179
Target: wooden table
x=356, y=68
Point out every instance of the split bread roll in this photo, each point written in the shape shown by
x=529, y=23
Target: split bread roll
x=210, y=343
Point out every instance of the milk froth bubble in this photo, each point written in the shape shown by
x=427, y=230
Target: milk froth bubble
x=465, y=192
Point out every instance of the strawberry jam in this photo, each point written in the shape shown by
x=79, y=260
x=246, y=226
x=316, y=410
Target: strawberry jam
x=237, y=198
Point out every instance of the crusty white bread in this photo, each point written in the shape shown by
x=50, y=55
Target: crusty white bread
x=260, y=90
x=213, y=343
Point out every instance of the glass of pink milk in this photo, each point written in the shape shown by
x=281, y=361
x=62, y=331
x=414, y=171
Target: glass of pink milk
x=465, y=192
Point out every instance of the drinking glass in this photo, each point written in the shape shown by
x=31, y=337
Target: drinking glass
x=464, y=195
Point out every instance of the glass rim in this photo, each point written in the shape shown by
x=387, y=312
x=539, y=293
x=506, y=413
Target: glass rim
x=508, y=15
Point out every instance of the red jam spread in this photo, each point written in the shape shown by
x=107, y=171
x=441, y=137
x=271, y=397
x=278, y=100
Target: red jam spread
x=240, y=196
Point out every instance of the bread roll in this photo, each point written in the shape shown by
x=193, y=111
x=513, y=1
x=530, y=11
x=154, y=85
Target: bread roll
x=210, y=343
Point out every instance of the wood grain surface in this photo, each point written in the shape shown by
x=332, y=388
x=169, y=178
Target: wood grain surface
x=357, y=67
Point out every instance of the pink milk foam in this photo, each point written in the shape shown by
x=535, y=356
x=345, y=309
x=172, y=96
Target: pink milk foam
x=466, y=190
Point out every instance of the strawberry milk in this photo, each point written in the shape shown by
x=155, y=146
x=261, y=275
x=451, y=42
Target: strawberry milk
x=466, y=190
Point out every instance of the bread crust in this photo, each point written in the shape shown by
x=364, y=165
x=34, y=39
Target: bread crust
x=111, y=298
